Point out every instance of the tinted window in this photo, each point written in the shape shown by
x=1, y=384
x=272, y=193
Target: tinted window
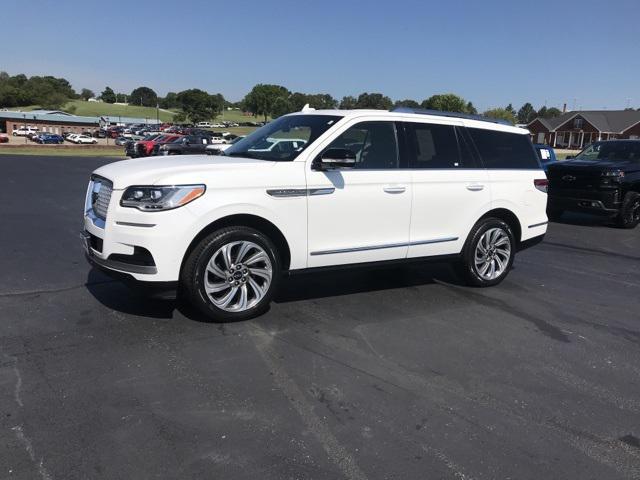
x=373, y=143
x=432, y=146
x=504, y=150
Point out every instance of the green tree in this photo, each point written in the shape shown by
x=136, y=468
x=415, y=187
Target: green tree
x=170, y=101
x=108, y=95
x=143, y=96
x=121, y=97
x=86, y=94
x=406, y=103
x=198, y=105
x=551, y=113
x=527, y=113
x=501, y=114
x=471, y=109
x=376, y=101
x=446, y=102
x=509, y=108
x=348, y=103
x=266, y=100
x=319, y=101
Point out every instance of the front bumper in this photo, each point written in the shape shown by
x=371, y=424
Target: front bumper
x=606, y=203
x=146, y=246
x=121, y=265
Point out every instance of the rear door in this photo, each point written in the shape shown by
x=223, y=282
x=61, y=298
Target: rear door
x=450, y=188
x=512, y=165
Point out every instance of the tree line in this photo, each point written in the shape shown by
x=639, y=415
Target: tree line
x=264, y=100
x=276, y=100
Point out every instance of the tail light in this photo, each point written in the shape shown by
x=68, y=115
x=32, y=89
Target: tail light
x=541, y=184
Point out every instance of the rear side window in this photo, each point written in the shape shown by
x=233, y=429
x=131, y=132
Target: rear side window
x=432, y=146
x=504, y=150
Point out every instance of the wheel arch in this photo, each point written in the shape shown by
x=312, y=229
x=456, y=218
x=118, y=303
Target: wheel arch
x=246, y=220
x=509, y=218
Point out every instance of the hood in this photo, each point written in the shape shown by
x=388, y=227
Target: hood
x=175, y=170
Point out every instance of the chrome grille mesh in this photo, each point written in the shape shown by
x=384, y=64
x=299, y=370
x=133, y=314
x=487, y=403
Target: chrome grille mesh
x=102, y=196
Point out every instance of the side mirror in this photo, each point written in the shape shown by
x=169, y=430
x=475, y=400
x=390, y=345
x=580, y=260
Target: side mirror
x=185, y=141
x=335, y=158
x=569, y=157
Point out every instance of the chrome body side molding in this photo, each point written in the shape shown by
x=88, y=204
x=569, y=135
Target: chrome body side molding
x=388, y=245
x=299, y=192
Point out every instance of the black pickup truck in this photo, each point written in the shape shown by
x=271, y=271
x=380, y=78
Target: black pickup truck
x=603, y=179
x=187, y=145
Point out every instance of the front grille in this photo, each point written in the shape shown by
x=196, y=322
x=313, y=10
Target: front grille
x=102, y=189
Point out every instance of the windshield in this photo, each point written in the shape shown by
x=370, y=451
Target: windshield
x=284, y=138
x=613, y=150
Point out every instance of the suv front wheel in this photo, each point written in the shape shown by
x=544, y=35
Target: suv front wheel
x=488, y=253
x=232, y=274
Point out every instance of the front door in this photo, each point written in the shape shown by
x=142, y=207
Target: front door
x=362, y=214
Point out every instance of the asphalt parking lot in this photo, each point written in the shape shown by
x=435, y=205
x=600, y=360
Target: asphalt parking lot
x=392, y=374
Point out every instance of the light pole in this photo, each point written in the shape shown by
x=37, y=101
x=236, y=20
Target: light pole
x=24, y=117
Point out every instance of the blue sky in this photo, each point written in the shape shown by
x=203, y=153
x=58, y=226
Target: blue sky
x=585, y=53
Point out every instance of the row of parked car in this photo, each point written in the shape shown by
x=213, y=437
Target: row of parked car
x=169, y=143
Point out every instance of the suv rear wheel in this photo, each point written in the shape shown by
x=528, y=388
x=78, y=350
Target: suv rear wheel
x=629, y=215
x=488, y=253
x=232, y=274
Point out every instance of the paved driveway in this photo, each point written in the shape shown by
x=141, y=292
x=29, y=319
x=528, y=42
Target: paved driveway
x=392, y=374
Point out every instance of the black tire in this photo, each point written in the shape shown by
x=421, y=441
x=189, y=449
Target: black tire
x=629, y=215
x=192, y=278
x=467, y=268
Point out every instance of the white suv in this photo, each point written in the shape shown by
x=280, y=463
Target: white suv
x=349, y=187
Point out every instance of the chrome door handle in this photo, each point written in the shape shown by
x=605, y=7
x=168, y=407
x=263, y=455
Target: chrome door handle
x=476, y=187
x=394, y=189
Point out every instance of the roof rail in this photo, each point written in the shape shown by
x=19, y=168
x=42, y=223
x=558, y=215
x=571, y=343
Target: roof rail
x=468, y=116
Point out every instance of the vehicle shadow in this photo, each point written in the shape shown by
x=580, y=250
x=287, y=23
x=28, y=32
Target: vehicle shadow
x=299, y=287
x=117, y=296
x=584, y=220
x=341, y=282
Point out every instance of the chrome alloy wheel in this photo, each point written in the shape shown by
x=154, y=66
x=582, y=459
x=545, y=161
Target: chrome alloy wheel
x=238, y=276
x=492, y=254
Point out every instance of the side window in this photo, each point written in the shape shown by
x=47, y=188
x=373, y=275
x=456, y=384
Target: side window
x=433, y=146
x=504, y=150
x=374, y=144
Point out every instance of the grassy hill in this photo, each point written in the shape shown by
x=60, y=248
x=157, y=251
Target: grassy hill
x=94, y=109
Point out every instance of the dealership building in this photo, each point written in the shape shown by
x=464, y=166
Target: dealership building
x=580, y=128
x=56, y=121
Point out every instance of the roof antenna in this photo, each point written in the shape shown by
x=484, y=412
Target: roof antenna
x=307, y=108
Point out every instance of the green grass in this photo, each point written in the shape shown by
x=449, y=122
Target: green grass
x=115, y=152
x=95, y=109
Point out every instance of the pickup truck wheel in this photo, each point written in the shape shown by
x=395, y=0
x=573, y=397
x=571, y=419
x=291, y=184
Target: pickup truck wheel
x=629, y=215
x=488, y=253
x=232, y=274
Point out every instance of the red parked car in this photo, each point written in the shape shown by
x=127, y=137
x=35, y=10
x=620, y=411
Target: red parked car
x=145, y=148
x=4, y=138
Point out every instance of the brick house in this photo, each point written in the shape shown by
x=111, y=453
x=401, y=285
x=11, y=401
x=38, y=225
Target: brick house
x=575, y=130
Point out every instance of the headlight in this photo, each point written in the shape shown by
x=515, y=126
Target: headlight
x=159, y=198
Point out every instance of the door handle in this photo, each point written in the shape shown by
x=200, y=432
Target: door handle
x=394, y=189
x=475, y=187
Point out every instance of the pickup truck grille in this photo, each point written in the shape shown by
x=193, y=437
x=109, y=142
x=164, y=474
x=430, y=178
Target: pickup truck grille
x=101, y=196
